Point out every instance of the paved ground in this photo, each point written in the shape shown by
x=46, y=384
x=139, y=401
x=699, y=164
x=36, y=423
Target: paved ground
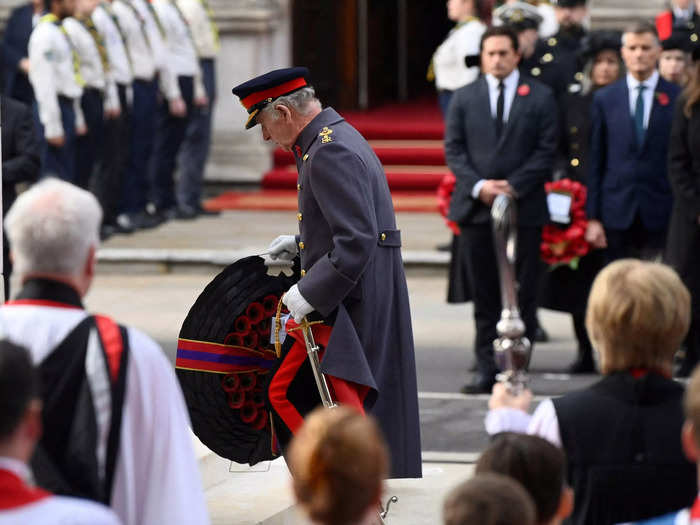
x=150, y=296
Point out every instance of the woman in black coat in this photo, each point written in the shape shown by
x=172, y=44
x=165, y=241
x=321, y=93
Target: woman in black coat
x=683, y=248
x=563, y=288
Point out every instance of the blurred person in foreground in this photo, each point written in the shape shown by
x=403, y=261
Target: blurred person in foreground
x=448, y=67
x=563, y=288
x=683, y=244
x=489, y=499
x=116, y=426
x=21, y=162
x=338, y=461
x=620, y=435
x=690, y=438
x=538, y=466
x=629, y=197
x=20, y=430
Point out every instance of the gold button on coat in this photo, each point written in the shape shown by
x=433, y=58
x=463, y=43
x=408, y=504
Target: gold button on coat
x=575, y=162
x=303, y=273
x=298, y=187
x=299, y=216
x=383, y=236
x=306, y=156
x=301, y=245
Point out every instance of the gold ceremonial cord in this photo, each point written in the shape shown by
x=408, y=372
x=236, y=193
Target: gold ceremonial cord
x=278, y=327
x=74, y=54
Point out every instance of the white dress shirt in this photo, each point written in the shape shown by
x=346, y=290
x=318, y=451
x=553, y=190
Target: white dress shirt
x=543, y=422
x=451, y=72
x=510, y=86
x=90, y=62
x=648, y=94
x=204, y=34
x=683, y=14
x=181, y=53
x=116, y=48
x=52, y=510
x=156, y=477
x=134, y=30
x=52, y=74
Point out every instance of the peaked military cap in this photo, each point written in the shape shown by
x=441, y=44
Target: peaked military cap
x=258, y=92
x=519, y=15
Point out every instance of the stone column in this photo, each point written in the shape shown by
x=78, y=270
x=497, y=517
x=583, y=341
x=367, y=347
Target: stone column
x=255, y=38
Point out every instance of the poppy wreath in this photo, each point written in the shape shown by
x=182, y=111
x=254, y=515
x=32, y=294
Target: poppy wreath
x=444, y=195
x=564, y=246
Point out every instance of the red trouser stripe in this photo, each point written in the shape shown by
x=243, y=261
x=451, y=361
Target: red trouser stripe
x=343, y=392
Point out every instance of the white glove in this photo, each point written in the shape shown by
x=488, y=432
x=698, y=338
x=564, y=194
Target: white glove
x=298, y=306
x=284, y=247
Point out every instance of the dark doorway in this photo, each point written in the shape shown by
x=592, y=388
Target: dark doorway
x=364, y=53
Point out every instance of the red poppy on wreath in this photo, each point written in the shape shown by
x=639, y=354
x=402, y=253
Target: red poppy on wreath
x=523, y=90
x=444, y=195
x=565, y=245
x=662, y=98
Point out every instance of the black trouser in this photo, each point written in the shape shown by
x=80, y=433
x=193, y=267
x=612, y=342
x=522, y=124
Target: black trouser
x=482, y=269
x=107, y=186
x=636, y=241
x=89, y=147
x=170, y=134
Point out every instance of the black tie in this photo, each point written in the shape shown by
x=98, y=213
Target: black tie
x=499, y=110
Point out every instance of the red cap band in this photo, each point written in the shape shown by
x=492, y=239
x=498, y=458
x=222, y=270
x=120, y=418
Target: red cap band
x=273, y=92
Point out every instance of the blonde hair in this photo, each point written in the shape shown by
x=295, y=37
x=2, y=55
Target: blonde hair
x=338, y=462
x=638, y=313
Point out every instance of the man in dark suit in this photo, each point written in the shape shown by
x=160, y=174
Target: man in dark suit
x=20, y=161
x=501, y=137
x=629, y=196
x=15, y=55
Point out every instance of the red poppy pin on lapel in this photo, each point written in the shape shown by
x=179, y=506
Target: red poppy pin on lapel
x=297, y=149
x=523, y=90
x=662, y=98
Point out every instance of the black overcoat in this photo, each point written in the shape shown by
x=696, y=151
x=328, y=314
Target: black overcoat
x=352, y=274
x=683, y=246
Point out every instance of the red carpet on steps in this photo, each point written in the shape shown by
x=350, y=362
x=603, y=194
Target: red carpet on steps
x=407, y=138
x=286, y=200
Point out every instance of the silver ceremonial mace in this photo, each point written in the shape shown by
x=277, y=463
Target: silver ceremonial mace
x=512, y=348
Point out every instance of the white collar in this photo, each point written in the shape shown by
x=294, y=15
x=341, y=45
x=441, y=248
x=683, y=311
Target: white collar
x=649, y=83
x=17, y=467
x=511, y=81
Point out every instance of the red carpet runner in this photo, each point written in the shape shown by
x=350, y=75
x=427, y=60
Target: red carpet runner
x=406, y=137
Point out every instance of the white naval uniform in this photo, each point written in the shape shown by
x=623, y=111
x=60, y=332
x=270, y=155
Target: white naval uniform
x=51, y=510
x=52, y=74
x=156, y=478
x=206, y=40
x=451, y=72
x=119, y=60
x=167, y=79
x=91, y=67
x=182, y=54
x=142, y=62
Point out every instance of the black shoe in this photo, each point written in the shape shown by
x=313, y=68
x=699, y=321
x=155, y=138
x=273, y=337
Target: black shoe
x=125, y=223
x=481, y=385
x=146, y=221
x=166, y=214
x=444, y=247
x=205, y=212
x=185, y=213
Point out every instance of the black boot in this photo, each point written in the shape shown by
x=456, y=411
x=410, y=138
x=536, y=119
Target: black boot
x=584, y=362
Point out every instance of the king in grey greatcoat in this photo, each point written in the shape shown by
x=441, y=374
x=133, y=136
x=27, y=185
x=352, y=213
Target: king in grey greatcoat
x=351, y=257
x=351, y=266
